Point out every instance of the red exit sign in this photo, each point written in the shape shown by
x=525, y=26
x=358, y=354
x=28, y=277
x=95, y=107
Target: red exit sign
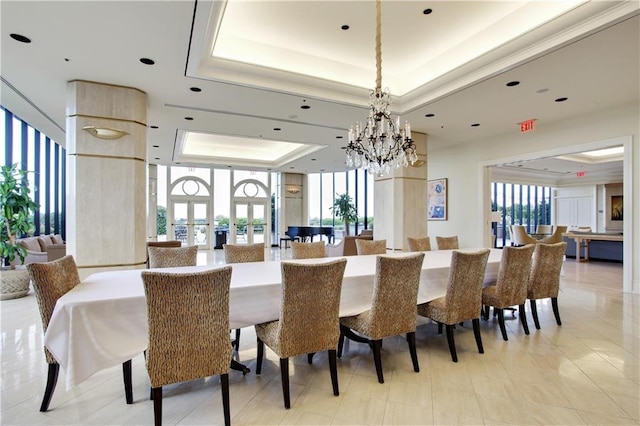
x=527, y=126
x=580, y=174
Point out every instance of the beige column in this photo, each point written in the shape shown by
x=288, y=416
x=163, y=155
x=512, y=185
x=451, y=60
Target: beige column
x=400, y=201
x=106, y=176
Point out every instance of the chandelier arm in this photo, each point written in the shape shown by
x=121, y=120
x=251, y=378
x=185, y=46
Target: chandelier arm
x=379, y=44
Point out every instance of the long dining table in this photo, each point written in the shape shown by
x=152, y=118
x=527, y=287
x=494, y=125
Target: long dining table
x=102, y=322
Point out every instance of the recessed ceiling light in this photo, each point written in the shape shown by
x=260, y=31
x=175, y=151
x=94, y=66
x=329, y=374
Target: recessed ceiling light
x=543, y=90
x=512, y=83
x=305, y=107
x=322, y=170
x=292, y=167
x=195, y=89
x=153, y=127
x=229, y=167
x=343, y=147
x=561, y=99
x=345, y=27
x=430, y=115
x=156, y=146
x=427, y=11
x=277, y=129
x=313, y=159
x=339, y=137
x=475, y=125
x=157, y=158
x=188, y=118
x=67, y=59
x=147, y=61
x=20, y=38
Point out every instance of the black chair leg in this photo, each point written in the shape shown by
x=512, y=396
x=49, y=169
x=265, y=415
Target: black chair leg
x=340, y=343
x=236, y=343
x=259, y=356
x=310, y=357
x=224, y=382
x=523, y=319
x=284, y=375
x=452, y=343
x=503, y=329
x=534, y=313
x=556, y=312
x=333, y=369
x=52, y=379
x=377, y=359
x=128, y=387
x=411, y=339
x=476, y=333
x=486, y=312
x=157, y=405
x=439, y=328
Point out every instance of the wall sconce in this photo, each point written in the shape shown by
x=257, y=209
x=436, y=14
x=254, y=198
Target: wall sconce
x=292, y=189
x=105, y=132
x=418, y=163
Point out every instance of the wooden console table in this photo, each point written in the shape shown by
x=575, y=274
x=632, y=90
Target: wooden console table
x=586, y=237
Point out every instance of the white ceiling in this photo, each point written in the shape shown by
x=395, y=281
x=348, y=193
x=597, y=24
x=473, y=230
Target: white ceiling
x=454, y=63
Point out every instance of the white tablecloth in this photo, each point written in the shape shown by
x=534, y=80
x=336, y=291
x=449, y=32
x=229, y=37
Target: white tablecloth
x=102, y=322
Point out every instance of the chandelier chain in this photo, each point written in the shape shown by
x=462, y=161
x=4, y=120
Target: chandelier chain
x=379, y=44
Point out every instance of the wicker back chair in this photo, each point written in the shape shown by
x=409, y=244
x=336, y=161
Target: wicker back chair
x=242, y=253
x=463, y=300
x=510, y=289
x=172, y=257
x=371, y=247
x=545, y=277
x=419, y=244
x=307, y=250
x=308, y=321
x=167, y=244
x=447, y=243
x=188, y=315
x=51, y=281
x=393, y=308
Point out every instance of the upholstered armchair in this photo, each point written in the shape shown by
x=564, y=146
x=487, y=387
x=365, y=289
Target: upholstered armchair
x=520, y=236
x=556, y=237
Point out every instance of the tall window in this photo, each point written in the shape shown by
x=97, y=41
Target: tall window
x=526, y=205
x=323, y=189
x=45, y=160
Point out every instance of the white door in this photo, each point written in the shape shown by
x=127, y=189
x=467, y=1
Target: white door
x=191, y=223
x=250, y=222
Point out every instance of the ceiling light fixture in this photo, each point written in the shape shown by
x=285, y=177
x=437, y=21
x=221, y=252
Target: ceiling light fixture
x=380, y=144
x=105, y=132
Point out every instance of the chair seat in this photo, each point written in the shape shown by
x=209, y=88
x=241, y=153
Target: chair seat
x=361, y=323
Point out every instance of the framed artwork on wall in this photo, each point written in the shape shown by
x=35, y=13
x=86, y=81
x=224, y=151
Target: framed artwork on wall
x=437, y=199
x=616, y=207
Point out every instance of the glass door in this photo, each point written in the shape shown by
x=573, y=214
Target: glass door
x=250, y=222
x=191, y=223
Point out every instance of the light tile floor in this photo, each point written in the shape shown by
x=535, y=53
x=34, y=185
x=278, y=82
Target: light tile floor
x=585, y=372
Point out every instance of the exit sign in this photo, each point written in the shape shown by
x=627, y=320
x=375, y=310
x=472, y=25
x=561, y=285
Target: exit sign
x=527, y=126
x=580, y=173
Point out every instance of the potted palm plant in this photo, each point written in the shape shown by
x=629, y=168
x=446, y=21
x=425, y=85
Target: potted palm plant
x=344, y=209
x=16, y=219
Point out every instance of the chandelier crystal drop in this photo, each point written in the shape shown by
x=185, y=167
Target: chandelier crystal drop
x=380, y=144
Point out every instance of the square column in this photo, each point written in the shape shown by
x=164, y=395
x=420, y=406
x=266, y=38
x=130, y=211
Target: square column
x=400, y=201
x=106, y=176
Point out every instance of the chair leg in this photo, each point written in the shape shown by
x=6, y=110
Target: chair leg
x=439, y=328
x=503, y=329
x=52, y=379
x=224, y=382
x=128, y=387
x=157, y=405
x=486, y=312
x=556, y=312
x=259, y=356
x=452, y=343
x=340, y=343
x=411, y=339
x=476, y=333
x=523, y=319
x=534, y=313
x=284, y=375
x=377, y=359
x=310, y=357
x=333, y=369
x=237, y=341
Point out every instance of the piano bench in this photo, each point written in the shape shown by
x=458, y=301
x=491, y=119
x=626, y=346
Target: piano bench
x=286, y=240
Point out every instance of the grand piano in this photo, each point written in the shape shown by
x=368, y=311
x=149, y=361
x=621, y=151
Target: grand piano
x=308, y=232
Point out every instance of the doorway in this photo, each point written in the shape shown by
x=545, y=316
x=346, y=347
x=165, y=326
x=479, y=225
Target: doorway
x=250, y=222
x=191, y=223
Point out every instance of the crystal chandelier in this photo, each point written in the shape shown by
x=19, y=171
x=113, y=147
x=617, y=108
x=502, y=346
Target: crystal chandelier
x=380, y=143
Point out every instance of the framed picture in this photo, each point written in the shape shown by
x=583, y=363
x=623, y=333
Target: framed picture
x=437, y=199
x=616, y=207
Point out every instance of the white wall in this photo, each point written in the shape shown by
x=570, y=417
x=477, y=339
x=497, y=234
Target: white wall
x=465, y=166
